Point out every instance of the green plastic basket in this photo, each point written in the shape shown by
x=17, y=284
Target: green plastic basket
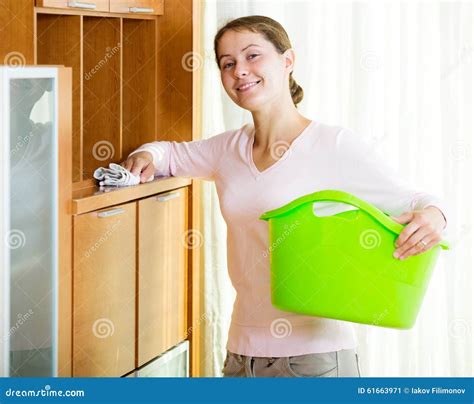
x=342, y=266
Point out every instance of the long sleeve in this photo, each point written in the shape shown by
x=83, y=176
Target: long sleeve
x=364, y=173
x=197, y=159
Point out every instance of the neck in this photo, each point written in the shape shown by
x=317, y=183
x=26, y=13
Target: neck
x=277, y=123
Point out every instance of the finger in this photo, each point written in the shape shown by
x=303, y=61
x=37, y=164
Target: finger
x=127, y=164
x=418, y=249
x=404, y=218
x=406, y=233
x=147, y=172
x=421, y=234
x=137, y=166
x=429, y=246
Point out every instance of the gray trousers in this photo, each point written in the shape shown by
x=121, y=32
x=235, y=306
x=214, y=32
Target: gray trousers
x=343, y=363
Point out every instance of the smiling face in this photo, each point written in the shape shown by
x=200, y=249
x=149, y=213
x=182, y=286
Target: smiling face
x=253, y=72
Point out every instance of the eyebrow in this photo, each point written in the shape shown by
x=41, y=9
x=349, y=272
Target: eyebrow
x=248, y=46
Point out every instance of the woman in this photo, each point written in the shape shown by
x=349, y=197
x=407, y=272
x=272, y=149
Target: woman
x=260, y=167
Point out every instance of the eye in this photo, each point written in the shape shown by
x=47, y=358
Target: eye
x=253, y=55
x=227, y=65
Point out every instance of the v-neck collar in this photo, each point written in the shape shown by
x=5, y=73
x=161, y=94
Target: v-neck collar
x=255, y=171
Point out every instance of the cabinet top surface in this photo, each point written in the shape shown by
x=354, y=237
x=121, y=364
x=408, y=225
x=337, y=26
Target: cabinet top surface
x=93, y=198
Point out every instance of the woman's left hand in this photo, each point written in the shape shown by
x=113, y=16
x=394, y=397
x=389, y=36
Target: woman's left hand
x=422, y=232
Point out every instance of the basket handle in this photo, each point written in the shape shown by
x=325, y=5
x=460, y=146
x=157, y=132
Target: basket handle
x=344, y=197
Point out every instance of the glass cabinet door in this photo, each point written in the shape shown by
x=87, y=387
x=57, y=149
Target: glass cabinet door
x=32, y=230
x=172, y=363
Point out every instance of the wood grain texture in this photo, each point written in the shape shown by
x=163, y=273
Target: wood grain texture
x=102, y=104
x=174, y=71
x=139, y=81
x=16, y=32
x=104, y=293
x=58, y=41
x=92, y=198
x=162, y=273
x=101, y=5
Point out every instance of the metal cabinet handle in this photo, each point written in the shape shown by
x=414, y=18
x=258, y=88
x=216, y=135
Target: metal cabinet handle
x=141, y=9
x=79, y=4
x=110, y=212
x=168, y=197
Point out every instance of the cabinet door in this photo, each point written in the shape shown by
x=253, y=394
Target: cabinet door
x=173, y=363
x=162, y=273
x=137, y=6
x=92, y=5
x=104, y=292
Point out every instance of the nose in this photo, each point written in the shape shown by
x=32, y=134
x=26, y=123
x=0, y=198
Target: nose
x=240, y=70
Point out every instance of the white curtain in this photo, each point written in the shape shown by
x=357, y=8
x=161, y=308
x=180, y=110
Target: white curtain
x=400, y=74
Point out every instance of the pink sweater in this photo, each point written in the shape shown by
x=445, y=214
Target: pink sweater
x=322, y=157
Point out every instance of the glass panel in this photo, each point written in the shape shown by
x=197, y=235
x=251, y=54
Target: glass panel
x=32, y=228
x=173, y=363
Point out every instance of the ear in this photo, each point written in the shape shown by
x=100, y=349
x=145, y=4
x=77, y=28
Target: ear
x=289, y=56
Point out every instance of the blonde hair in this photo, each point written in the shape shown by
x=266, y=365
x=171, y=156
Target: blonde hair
x=273, y=32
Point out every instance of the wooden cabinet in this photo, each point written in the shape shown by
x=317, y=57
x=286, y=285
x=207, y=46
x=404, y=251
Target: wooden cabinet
x=137, y=6
x=91, y=5
x=162, y=273
x=104, y=292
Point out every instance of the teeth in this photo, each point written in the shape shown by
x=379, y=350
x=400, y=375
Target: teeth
x=248, y=85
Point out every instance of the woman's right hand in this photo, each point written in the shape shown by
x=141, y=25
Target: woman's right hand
x=140, y=163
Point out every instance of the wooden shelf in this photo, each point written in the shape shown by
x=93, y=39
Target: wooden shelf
x=58, y=42
x=102, y=93
x=92, y=198
x=48, y=10
x=139, y=84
